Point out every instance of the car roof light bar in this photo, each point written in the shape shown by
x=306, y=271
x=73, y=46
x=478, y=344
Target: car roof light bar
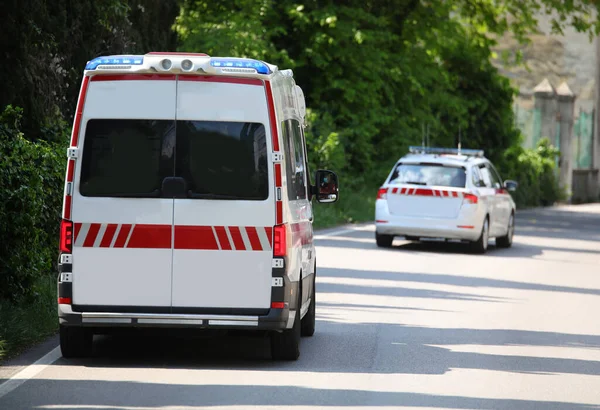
x=447, y=151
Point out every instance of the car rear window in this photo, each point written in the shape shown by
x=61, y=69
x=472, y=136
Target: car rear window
x=223, y=160
x=217, y=160
x=429, y=174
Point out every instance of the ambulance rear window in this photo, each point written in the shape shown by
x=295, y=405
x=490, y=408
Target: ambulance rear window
x=222, y=160
x=122, y=158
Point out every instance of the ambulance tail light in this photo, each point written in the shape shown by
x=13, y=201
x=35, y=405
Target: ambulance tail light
x=280, y=240
x=382, y=193
x=66, y=236
x=470, y=199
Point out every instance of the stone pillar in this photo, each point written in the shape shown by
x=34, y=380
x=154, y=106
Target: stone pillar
x=566, y=114
x=545, y=104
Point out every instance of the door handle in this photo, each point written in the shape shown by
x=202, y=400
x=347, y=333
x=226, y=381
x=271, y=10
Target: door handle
x=174, y=187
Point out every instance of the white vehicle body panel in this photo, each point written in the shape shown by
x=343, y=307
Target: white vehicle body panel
x=222, y=278
x=114, y=275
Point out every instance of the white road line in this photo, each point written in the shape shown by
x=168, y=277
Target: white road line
x=55, y=354
x=29, y=372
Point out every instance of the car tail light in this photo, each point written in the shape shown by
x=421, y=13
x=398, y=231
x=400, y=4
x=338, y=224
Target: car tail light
x=64, y=301
x=66, y=236
x=277, y=305
x=280, y=240
x=470, y=199
x=382, y=193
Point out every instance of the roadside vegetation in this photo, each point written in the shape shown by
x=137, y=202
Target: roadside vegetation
x=377, y=75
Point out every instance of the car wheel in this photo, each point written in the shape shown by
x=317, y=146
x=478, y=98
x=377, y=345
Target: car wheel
x=481, y=244
x=308, y=321
x=507, y=240
x=285, y=345
x=75, y=342
x=384, y=241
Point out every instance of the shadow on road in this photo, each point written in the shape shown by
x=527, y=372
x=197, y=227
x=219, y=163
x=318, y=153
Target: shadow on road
x=91, y=395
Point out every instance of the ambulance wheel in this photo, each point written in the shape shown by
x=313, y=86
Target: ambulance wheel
x=75, y=342
x=480, y=245
x=286, y=345
x=384, y=241
x=308, y=321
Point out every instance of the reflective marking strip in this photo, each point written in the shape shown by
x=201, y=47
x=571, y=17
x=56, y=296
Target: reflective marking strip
x=272, y=116
x=109, y=234
x=233, y=322
x=231, y=243
x=216, y=237
x=264, y=239
x=223, y=238
x=237, y=238
x=79, y=111
x=105, y=320
x=124, y=232
x=172, y=321
x=100, y=235
x=81, y=235
x=129, y=236
x=67, y=207
x=115, y=236
x=254, y=239
x=246, y=239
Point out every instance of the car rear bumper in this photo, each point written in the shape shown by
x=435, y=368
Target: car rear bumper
x=466, y=227
x=275, y=319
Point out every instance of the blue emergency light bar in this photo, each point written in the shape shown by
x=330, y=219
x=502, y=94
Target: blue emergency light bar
x=259, y=66
x=447, y=151
x=114, y=60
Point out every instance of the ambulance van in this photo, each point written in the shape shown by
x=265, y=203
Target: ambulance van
x=188, y=201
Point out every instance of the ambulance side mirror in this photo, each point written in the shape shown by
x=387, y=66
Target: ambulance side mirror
x=511, y=185
x=326, y=189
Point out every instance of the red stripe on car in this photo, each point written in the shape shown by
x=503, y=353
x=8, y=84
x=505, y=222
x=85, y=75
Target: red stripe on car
x=221, y=79
x=236, y=236
x=223, y=239
x=134, y=77
x=91, y=235
x=272, y=117
x=79, y=111
x=67, y=211
x=109, y=233
x=195, y=237
x=269, y=232
x=151, y=236
x=122, y=237
x=254, y=239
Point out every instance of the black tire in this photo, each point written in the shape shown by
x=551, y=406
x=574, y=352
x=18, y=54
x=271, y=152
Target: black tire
x=286, y=345
x=507, y=240
x=481, y=245
x=384, y=241
x=309, y=320
x=75, y=342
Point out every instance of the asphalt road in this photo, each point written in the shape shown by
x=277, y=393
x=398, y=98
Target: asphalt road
x=418, y=326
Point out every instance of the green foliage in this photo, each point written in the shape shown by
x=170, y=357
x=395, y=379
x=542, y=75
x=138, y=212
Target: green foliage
x=46, y=45
x=31, y=181
x=34, y=319
x=536, y=172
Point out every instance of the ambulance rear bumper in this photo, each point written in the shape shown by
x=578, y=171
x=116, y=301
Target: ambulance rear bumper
x=272, y=319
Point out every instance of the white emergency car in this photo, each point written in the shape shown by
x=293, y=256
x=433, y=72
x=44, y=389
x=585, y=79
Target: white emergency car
x=448, y=194
x=187, y=201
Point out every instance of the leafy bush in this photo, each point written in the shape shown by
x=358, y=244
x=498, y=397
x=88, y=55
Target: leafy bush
x=536, y=172
x=31, y=181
